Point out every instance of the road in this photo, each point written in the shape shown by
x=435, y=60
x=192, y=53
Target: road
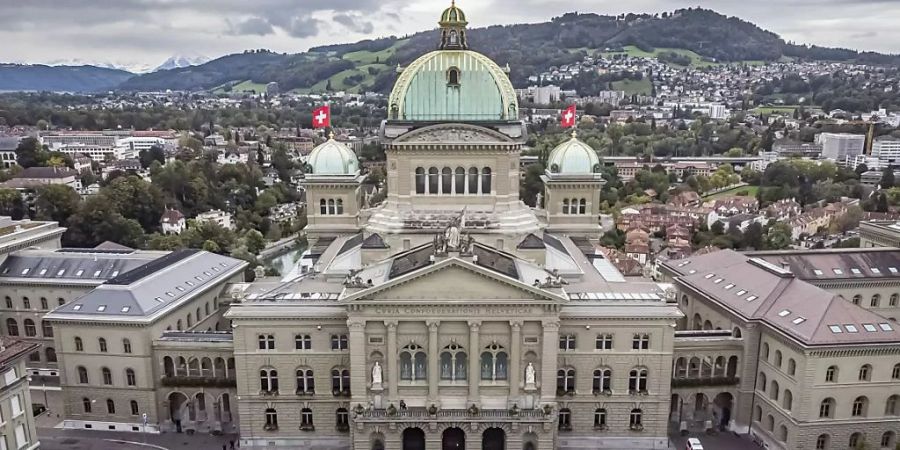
x=721, y=441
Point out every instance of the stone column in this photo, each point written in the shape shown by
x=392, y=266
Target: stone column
x=433, y=359
x=358, y=367
x=390, y=359
x=515, y=357
x=474, y=361
x=549, y=361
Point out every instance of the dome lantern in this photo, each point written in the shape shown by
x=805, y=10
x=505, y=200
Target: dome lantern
x=453, y=28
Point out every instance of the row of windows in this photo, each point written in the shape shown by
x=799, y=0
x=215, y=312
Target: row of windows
x=875, y=300
x=574, y=206
x=303, y=342
x=306, y=382
x=190, y=319
x=26, y=303
x=331, y=207
x=88, y=406
x=102, y=346
x=778, y=361
x=888, y=440
x=864, y=374
x=635, y=419
x=706, y=367
x=106, y=374
x=12, y=328
x=860, y=407
x=447, y=181
x=198, y=367
x=568, y=342
x=342, y=419
x=601, y=382
x=49, y=354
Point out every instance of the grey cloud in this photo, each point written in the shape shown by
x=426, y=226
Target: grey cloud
x=354, y=23
x=254, y=25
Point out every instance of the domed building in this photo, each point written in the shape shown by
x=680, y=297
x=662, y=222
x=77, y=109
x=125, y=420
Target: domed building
x=572, y=184
x=333, y=196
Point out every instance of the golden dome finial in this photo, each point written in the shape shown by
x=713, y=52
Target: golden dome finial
x=574, y=133
x=331, y=134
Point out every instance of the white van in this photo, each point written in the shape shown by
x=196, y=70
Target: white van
x=693, y=444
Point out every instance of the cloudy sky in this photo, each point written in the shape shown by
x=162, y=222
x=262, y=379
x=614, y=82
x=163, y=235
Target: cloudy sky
x=143, y=33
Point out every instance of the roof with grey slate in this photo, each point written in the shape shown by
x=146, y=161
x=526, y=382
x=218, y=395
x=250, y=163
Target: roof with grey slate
x=90, y=266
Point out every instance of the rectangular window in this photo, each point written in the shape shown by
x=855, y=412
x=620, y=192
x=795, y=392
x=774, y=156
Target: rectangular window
x=21, y=436
x=10, y=376
x=604, y=342
x=15, y=404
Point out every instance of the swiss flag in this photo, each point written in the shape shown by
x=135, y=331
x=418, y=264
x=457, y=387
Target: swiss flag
x=322, y=117
x=567, y=119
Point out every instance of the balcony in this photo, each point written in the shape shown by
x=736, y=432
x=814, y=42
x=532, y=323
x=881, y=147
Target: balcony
x=705, y=382
x=207, y=382
x=450, y=415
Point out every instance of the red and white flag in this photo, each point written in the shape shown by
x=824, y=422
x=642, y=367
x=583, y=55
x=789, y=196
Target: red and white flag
x=568, y=117
x=322, y=117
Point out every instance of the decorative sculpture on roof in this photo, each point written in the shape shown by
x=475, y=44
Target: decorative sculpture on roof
x=553, y=280
x=354, y=281
x=452, y=239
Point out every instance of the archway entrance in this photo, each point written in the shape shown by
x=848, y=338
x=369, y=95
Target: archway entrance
x=178, y=411
x=724, y=403
x=413, y=439
x=493, y=439
x=453, y=439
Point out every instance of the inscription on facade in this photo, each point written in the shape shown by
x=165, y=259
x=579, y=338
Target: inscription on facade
x=468, y=311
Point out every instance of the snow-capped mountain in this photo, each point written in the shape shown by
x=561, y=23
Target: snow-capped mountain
x=179, y=61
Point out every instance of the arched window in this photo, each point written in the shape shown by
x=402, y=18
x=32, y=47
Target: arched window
x=61, y=301
x=107, y=376
x=637, y=380
x=865, y=372
x=860, y=407
x=719, y=367
x=44, y=304
x=565, y=381
x=266, y=342
x=268, y=380
x=636, y=419
x=565, y=206
x=79, y=346
x=30, y=329
x=134, y=408
x=602, y=381
x=9, y=304
x=822, y=442
x=86, y=404
x=890, y=406
x=640, y=342
x=331, y=211
x=782, y=433
x=271, y=419
x=831, y=374
x=565, y=420
x=736, y=333
x=680, y=368
x=453, y=73
x=473, y=180
x=761, y=385
x=101, y=343
x=339, y=342
x=413, y=363
x=126, y=345
x=757, y=414
x=694, y=368
x=887, y=439
x=765, y=351
x=774, y=390
x=46, y=329
x=826, y=408
x=12, y=327
x=895, y=374
x=731, y=370
x=876, y=301
x=788, y=401
x=130, y=379
x=446, y=181
x=302, y=342
x=582, y=206
x=178, y=325
x=306, y=419
x=791, y=367
x=603, y=342
x=486, y=180
x=433, y=181
x=306, y=383
x=894, y=300
x=340, y=206
x=460, y=180
x=323, y=207
x=600, y=418
x=855, y=439
x=770, y=423
x=778, y=358
x=494, y=363
x=110, y=406
x=340, y=382
x=82, y=375
x=453, y=363
x=50, y=353
x=26, y=303
x=420, y=180
x=567, y=342
x=857, y=299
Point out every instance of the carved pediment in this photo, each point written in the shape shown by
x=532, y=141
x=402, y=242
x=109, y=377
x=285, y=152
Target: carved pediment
x=453, y=133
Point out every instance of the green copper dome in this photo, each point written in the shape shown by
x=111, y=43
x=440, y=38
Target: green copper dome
x=453, y=16
x=453, y=85
x=573, y=157
x=333, y=158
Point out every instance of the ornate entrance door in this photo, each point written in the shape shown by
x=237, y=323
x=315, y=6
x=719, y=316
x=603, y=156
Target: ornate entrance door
x=453, y=439
x=493, y=439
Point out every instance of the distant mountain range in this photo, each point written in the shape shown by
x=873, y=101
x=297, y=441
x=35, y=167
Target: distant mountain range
x=180, y=61
x=528, y=48
x=18, y=77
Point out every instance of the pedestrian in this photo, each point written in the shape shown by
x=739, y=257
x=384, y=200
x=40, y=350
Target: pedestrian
x=232, y=444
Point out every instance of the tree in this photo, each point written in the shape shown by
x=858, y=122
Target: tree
x=753, y=237
x=779, y=236
x=155, y=153
x=254, y=242
x=887, y=178
x=847, y=221
x=56, y=202
x=30, y=153
x=11, y=204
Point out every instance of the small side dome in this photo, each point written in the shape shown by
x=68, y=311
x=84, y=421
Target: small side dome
x=333, y=158
x=573, y=157
x=453, y=16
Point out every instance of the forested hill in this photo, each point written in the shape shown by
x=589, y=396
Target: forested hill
x=528, y=48
x=18, y=77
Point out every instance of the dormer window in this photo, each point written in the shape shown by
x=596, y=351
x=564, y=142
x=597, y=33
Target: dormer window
x=453, y=76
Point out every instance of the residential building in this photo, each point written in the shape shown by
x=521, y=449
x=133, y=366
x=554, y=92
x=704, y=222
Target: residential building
x=879, y=233
x=17, y=427
x=217, y=216
x=34, y=177
x=841, y=146
x=8, y=146
x=172, y=222
x=95, y=152
x=887, y=150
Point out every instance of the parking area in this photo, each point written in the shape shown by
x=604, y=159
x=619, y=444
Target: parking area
x=720, y=441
